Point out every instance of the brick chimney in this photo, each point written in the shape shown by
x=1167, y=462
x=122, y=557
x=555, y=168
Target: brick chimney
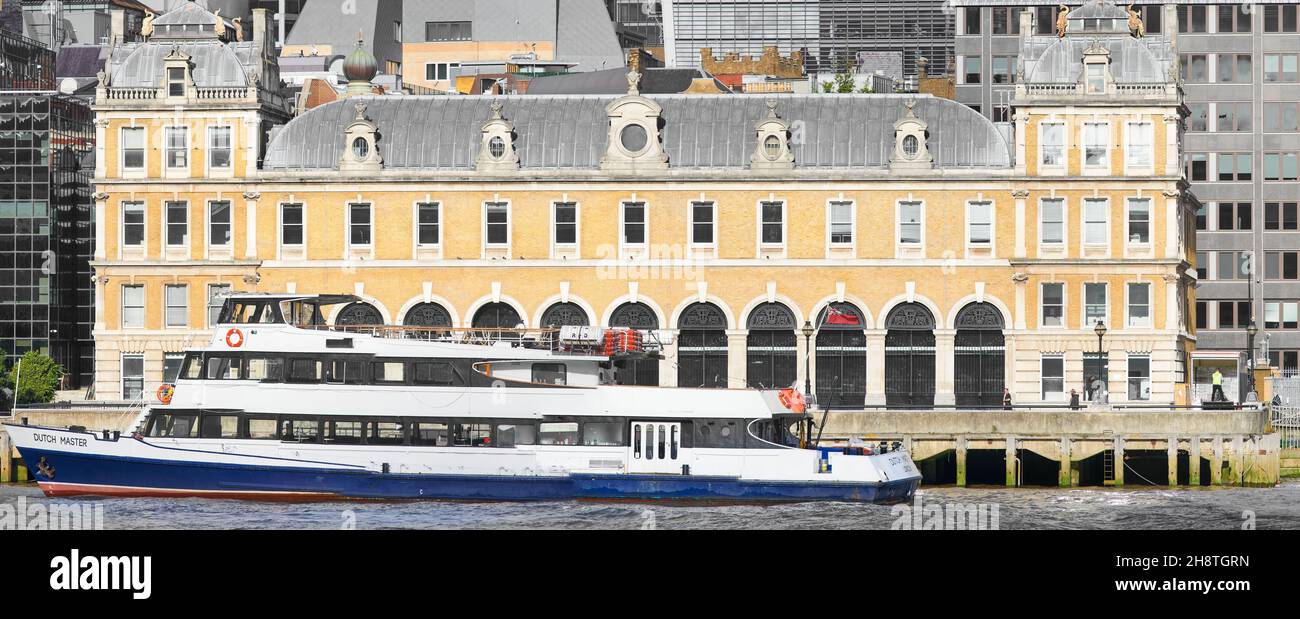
x=262, y=31
x=116, y=26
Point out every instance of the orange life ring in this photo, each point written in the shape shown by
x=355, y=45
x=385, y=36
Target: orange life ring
x=792, y=400
x=234, y=338
x=165, y=393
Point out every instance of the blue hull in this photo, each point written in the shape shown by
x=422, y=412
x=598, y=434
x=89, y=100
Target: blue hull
x=81, y=474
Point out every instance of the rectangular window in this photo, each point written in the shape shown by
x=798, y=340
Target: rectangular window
x=1095, y=307
x=634, y=223
x=509, y=435
x=841, y=223
x=1198, y=166
x=1053, y=305
x=911, y=216
x=1202, y=217
x=979, y=223
x=1233, y=117
x=440, y=71
x=1280, y=17
x=1198, y=117
x=1280, y=167
x=1280, y=117
x=172, y=367
x=1192, y=18
x=133, y=148
x=1234, y=68
x=427, y=221
x=219, y=223
x=1280, y=216
x=291, y=224
x=702, y=223
x=448, y=31
x=973, y=72
x=1230, y=265
x=177, y=147
x=133, y=224
x=359, y=232
x=1096, y=221
x=1235, y=166
x=772, y=224
x=1195, y=68
x=216, y=298
x=1139, y=377
x=1053, y=373
x=219, y=147
x=1052, y=220
x=1004, y=69
x=971, y=15
x=497, y=220
x=132, y=377
x=437, y=373
x=430, y=434
x=176, y=82
x=1096, y=144
x=1202, y=315
x=564, y=433
x=176, y=305
x=178, y=223
x=133, y=307
x=566, y=223
x=1281, y=68
x=388, y=372
x=1202, y=266
x=1139, y=221
x=1140, y=138
x=1096, y=83
x=550, y=373
x=1234, y=18
x=603, y=433
x=1139, y=304
x=1052, y=144
x=471, y=435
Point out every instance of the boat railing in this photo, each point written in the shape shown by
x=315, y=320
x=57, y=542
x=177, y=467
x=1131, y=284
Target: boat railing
x=553, y=339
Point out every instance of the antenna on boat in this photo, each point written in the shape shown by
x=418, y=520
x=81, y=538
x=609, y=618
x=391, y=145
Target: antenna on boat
x=822, y=426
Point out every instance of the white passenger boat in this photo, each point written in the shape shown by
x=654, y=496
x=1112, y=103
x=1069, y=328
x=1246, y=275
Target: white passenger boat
x=283, y=406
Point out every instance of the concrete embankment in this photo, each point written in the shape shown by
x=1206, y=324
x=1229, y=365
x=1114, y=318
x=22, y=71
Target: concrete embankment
x=1077, y=447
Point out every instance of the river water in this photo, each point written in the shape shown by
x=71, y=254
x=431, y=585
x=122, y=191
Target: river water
x=1004, y=508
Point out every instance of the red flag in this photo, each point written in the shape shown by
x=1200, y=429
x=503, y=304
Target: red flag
x=840, y=317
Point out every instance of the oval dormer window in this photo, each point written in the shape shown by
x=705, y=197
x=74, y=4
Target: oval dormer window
x=497, y=147
x=360, y=148
x=911, y=146
x=772, y=147
x=633, y=137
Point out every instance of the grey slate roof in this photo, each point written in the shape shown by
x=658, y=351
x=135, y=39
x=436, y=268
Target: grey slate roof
x=655, y=81
x=215, y=63
x=1132, y=61
x=699, y=131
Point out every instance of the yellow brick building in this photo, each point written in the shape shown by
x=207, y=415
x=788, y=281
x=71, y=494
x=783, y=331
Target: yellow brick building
x=932, y=256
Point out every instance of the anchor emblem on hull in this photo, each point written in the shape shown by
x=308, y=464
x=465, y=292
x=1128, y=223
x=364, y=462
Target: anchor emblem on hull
x=45, y=468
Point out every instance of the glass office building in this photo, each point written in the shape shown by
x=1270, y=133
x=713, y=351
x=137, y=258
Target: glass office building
x=830, y=33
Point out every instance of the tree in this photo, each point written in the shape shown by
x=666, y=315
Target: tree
x=844, y=83
x=40, y=378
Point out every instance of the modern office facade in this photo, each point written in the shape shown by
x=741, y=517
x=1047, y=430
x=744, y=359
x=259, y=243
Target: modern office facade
x=639, y=23
x=829, y=33
x=46, y=233
x=1238, y=67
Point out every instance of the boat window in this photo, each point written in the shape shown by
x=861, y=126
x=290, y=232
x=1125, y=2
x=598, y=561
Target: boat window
x=549, y=373
x=509, y=435
x=602, y=433
x=661, y=435
x=300, y=430
x=346, y=432
x=473, y=435
x=385, y=433
x=253, y=312
x=346, y=372
x=261, y=428
x=223, y=368
x=193, y=368
x=305, y=371
x=636, y=441
x=173, y=426
x=389, y=371
x=559, y=433
x=265, y=369
x=219, y=426
x=432, y=434
x=716, y=433
x=434, y=373
x=673, y=444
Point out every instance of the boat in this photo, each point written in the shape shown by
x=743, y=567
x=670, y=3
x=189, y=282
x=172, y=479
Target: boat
x=282, y=405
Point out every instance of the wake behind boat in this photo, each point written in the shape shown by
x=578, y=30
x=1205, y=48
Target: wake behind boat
x=283, y=406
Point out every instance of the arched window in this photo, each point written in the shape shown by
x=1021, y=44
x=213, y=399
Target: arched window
x=636, y=371
x=428, y=315
x=841, y=356
x=770, y=353
x=702, y=347
x=909, y=356
x=564, y=315
x=359, y=314
x=979, y=356
x=497, y=316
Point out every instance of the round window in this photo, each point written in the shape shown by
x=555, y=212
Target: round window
x=360, y=148
x=772, y=147
x=911, y=146
x=634, y=138
x=725, y=431
x=497, y=147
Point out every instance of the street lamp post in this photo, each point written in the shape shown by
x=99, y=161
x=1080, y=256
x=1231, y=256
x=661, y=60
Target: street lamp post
x=807, y=358
x=1100, y=330
x=1251, y=331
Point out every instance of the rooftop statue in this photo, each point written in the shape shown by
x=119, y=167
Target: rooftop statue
x=1061, y=20
x=146, y=28
x=1135, y=24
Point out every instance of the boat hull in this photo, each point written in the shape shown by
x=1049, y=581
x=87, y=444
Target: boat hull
x=80, y=474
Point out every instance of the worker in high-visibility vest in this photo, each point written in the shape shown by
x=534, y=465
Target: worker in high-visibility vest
x=1217, y=380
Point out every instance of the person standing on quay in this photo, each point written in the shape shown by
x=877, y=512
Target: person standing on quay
x=1217, y=380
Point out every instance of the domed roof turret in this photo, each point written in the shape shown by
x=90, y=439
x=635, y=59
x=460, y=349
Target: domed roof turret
x=360, y=66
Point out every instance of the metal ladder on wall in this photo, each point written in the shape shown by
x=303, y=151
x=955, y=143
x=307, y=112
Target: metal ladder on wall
x=1108, y=467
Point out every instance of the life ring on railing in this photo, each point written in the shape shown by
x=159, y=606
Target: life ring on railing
x=792, y=400
x=234, y=338
x=165, y=393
